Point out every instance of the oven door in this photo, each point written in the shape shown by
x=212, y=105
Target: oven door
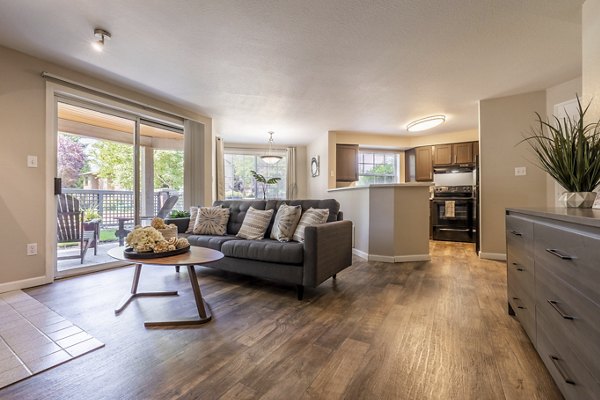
x=452, y=219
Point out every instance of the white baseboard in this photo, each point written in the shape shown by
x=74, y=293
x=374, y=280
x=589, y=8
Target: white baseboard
x=360, y=254
x=397, y=259
x=24, y=284
x=492, y=256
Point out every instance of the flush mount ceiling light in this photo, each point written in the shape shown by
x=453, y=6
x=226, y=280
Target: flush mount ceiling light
x=271, y=158
x=426, y=123
x=101, y=35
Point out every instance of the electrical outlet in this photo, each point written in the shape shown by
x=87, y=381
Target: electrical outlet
x=32, y=161
x=332, y=174
x=31, y=249
x=520, y=171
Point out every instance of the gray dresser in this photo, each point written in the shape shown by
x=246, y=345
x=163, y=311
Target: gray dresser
x=553, y=273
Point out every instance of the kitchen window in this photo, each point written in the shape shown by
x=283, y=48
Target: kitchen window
x=239, y=183
x=376, y=166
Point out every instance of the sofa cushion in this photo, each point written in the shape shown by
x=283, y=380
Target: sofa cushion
x=265, y=250
x=255, y=224
x=312, y=216
x=211, y=221
x=237, y=212
x=331, y=204
x=285, y=222
x=193, y=216
x=212, y=242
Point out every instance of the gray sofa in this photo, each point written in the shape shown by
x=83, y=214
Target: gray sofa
x=327, y=248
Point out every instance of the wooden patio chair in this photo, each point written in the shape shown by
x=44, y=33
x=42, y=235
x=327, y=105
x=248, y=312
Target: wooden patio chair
x=70, y=227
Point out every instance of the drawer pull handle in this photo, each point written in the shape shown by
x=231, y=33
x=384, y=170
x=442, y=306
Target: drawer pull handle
x=522, y=308
x=520, y=269
x=517, y=265
x=559, y=254
x=560, y=370
x=554, y=305
x=516, y=233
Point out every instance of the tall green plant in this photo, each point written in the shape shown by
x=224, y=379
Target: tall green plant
x=568, y=150
x=264, y=182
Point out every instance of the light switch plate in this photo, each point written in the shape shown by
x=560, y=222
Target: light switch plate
x=32, y=161
x=520, y=171
x=32, y=249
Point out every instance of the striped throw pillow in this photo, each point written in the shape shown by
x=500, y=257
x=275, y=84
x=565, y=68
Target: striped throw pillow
x=211, y=221
x=312, y=216
x=193, y=216
x=285, y=223
x=255, y=224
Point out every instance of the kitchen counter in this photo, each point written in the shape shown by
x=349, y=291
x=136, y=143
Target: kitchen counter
x=580, y=216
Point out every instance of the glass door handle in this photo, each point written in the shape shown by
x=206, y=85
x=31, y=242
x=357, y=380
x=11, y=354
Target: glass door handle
x=57, y=186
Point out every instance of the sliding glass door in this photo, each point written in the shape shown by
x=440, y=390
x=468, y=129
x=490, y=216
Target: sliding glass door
x=114, y=170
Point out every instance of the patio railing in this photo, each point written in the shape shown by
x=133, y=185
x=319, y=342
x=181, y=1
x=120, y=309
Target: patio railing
x=113, y=204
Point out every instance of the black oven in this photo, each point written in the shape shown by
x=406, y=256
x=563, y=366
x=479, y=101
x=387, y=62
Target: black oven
x=453, y=215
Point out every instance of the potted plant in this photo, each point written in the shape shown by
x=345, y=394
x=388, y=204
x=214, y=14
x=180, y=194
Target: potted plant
x=264, y=182
x=569, y=151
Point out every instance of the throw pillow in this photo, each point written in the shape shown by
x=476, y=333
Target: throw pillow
x=211, y=221
x=286, y=220
x=312, y=216
x=193, y=216
x=255, y=224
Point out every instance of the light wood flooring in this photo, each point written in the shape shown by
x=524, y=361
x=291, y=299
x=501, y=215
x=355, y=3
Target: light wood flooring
x=427, y=330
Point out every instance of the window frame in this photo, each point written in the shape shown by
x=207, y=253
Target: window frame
x=384, y=152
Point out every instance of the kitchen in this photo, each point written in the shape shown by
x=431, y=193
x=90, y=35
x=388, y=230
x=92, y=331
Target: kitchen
x=445, y=165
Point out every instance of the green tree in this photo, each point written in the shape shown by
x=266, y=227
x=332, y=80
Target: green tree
x=114, y=162
x=168, y=169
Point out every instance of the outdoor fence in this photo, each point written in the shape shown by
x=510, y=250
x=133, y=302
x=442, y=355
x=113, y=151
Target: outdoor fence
x=114, y=204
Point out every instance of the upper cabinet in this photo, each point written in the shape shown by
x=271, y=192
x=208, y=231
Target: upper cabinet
x=454, y=154
x=346, y=163
x=423, y=164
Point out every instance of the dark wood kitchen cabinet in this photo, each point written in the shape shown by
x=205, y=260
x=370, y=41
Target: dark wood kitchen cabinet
x=423, y=164
x=463, y=153
x=346, y=163
x=442, y=154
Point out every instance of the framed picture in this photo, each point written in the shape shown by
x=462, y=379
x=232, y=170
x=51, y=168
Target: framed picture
x=315, y=166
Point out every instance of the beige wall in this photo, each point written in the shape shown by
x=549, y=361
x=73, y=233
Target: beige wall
x=502, y=123
x=591, y=56
x=555, y=95
x=23, y=132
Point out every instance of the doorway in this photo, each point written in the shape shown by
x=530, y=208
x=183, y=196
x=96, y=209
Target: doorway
x=112, y=169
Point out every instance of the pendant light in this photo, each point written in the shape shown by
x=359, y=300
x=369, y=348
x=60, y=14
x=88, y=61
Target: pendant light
x=271, y=158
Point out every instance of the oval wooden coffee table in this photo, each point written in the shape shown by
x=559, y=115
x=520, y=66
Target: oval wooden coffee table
x=196, y=256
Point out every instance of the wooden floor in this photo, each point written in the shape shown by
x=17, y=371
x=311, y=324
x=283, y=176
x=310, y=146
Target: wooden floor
x=427, y=330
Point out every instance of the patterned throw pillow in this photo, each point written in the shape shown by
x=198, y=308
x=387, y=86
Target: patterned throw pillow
x=312, y=216
x=285, y=223
x=255, y=224
x=193, y=216
x=211, y=221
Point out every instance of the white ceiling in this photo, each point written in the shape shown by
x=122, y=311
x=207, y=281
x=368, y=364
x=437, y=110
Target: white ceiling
x=303, y=67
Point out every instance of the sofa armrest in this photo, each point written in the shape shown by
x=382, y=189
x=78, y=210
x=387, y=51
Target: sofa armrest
x=327, y=251
x=182, y=223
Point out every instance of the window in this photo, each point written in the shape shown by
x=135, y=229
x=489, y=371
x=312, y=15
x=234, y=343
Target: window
x=377, y=167
x=239, y=183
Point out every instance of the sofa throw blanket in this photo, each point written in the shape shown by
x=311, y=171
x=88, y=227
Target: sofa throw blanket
x=312, y=216
x=211, y=221
x=285, y=223
x=255, y=224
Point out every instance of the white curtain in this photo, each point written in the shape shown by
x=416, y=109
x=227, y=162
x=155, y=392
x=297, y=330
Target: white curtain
x=220, y=168
x=292, y=186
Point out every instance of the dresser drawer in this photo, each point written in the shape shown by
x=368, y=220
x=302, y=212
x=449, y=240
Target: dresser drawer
x=572, y=255
x=573, y=379
x=519, y=239
x=573, y=316
x=520, y=272
x=524, y=307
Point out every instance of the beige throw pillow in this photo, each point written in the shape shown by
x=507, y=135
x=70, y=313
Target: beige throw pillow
x=312, y=216
x=211, y=221
x=193, y=216
x=255, y=224
x=285, y=223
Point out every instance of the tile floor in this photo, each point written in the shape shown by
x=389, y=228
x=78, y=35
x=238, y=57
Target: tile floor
x=34, y=338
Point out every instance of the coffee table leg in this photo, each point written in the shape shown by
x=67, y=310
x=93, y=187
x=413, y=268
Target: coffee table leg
x=134, y=293
x=204, y=314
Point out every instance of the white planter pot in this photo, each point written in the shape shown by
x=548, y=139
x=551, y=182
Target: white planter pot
x=577, y=199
